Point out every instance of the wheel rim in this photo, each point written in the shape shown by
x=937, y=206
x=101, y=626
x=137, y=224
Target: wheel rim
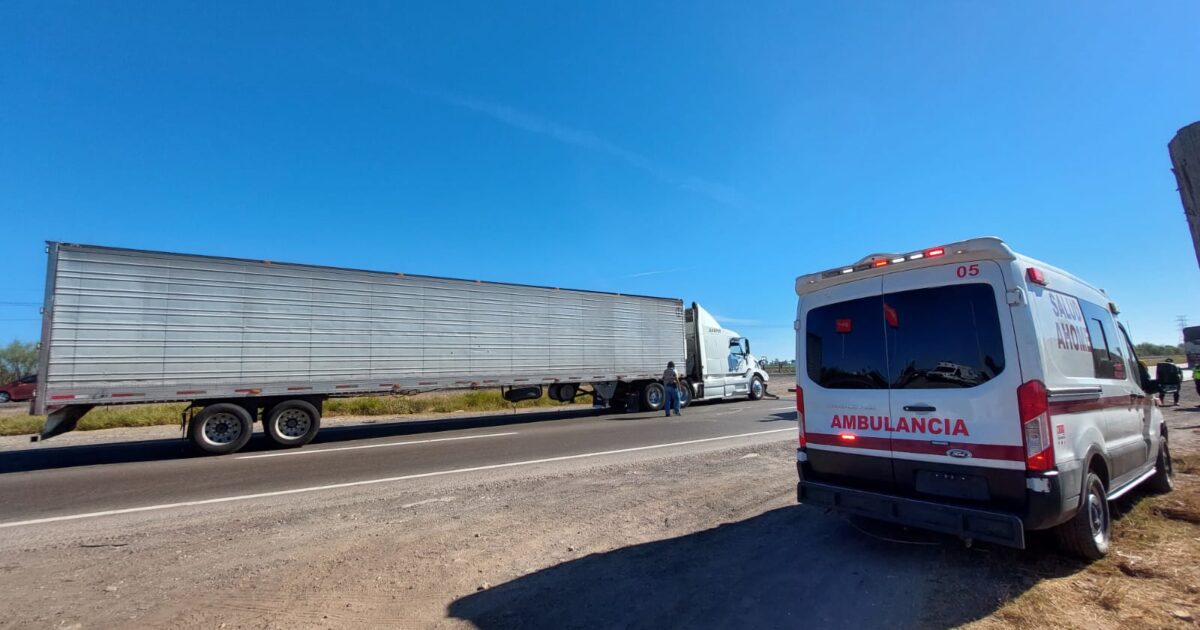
x=757, y=388
x=654, y=396
x=1097, y=516
x=222, y=428
x=684, y=395
x=292, y=423
x=4, y=397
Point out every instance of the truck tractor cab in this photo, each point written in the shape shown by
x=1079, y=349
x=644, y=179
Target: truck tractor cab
x=719, y=362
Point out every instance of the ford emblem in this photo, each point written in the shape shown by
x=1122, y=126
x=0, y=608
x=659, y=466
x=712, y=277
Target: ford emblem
x=958, y=452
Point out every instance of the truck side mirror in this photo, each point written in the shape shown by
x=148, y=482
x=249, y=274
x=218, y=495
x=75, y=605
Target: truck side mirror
x=747, y=343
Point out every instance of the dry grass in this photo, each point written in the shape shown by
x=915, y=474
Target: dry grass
x=1150, y=579
x=152, y=415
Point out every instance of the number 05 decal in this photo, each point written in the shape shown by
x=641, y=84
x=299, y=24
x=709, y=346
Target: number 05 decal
x=967, y=270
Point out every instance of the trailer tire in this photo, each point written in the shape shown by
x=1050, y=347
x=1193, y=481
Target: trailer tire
x=221, y=428
x=653, y=396
x=292, y=423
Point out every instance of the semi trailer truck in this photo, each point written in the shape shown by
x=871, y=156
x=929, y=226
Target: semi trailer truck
x=245, y=340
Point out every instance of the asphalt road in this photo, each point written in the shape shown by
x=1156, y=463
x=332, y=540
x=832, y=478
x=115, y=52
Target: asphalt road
x=49, y=483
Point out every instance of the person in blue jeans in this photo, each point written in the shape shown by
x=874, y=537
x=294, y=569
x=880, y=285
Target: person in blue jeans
x=671, y=381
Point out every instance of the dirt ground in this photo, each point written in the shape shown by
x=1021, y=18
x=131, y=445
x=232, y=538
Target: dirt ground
x=701, y=541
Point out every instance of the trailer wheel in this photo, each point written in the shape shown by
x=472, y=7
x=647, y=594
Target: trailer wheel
x=221, y=428
x=292, y=423
x=654, y=397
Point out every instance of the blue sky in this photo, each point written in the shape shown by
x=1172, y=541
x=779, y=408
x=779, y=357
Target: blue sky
x=694, y=150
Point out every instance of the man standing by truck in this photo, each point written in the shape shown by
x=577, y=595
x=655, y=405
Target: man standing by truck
x=671, y=381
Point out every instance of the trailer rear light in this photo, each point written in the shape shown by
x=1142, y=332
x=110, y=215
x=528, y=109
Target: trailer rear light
x=1035, y=276
x=1034, y=409
x=800, y=415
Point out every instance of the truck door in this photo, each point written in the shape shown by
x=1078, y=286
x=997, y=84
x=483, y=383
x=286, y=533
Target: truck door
x=737, y=379
x=954, y=420
x=843, y=375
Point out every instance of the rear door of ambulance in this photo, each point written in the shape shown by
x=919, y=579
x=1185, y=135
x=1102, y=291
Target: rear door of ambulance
x=842, y=345
x=954, y=377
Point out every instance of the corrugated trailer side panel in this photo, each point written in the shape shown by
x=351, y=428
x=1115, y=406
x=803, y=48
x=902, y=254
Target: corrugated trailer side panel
x=151, y=325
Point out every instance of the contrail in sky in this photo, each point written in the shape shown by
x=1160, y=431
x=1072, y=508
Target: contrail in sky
x=532, y=123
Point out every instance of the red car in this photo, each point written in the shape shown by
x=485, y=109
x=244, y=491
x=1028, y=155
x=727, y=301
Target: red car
x=20, y=389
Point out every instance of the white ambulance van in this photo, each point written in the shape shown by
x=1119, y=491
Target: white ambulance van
x=971, y=390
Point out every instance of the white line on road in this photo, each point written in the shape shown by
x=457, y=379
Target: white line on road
x=318, y=451
x=367, y=482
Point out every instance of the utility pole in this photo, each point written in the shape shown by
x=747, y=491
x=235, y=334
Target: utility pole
x=1185, y=162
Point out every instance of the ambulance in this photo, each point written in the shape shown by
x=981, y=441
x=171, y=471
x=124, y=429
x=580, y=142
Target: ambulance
x=970, y=390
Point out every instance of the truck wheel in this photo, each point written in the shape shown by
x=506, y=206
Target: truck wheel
x=221, y=428
x=654, y=397
x=1163, y=480
x=1087, y=533
x=292, y=423
x=685, y=394
x=757, y=388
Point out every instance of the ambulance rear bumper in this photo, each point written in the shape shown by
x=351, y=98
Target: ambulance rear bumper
x=994, y=527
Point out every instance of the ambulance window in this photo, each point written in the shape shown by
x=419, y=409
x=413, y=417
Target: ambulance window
x=943, y=337
x=1137, y=373
x=1107, y=355
x=844, y=345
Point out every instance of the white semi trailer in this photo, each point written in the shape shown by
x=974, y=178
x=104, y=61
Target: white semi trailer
x=255, y=340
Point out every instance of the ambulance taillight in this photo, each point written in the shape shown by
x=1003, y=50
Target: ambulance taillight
x=800, y=415
x=1034, y=409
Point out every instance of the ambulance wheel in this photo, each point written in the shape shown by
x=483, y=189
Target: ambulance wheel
x=757, y=388
x=654, y=397
x=292, y=423
x=1163, y=480
x=1087, y=534
x=221, y=428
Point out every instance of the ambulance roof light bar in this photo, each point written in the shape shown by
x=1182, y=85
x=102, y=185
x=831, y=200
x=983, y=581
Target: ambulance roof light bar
x=984, y=245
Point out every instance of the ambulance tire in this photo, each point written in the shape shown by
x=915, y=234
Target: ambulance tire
x=1163, y=480
x=1088, y=533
